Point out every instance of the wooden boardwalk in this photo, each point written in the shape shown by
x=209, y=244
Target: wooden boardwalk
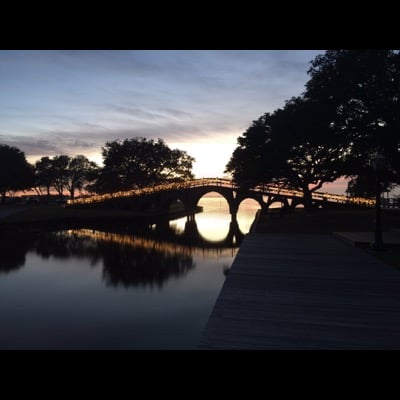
x=287, y=291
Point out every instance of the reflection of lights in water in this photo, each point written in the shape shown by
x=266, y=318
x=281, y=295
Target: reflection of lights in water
x=178, y=225
x=246, y=214
x=140, y=242
x=213, y=222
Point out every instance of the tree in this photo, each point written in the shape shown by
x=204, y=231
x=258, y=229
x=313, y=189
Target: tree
x=80, y=171
x=139, y=162
x=15, y=172
x=363, y=89
x=44, y=174
x=293, y=147
x=364, y=184
x=60, y=170
x=259, y=157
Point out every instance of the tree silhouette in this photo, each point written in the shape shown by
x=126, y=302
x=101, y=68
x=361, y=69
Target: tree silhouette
x=363, y=88
x=364, y=185
x=60, y=173
x=80, y=171
x=139, y=162
x=15, y=172
x=65, y=172
x=124, y=264
x=44, y=174
x=350, y=110
x=293, y=147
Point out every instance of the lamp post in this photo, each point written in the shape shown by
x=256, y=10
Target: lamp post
x=378, y=163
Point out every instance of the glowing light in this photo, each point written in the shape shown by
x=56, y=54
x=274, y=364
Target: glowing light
x=213, y=222
x=246, y=214
x=264, y=189
x=170, y=249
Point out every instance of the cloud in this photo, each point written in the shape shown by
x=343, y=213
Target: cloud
x=72, y=102
x=176, y=113
x=30, y=144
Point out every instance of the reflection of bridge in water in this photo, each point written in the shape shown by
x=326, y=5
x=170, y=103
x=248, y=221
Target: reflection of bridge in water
x=158, y=199
x=191, y=235
x=189, y=243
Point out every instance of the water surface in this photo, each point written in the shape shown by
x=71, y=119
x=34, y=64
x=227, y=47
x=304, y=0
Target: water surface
x=120, y=288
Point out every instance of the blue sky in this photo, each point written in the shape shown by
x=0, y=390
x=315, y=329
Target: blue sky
x=72, y=102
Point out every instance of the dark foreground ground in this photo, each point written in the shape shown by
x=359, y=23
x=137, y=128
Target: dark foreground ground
x=327, y=221
x=294, y=286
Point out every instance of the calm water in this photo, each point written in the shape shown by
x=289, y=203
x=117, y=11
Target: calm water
x=120, y=288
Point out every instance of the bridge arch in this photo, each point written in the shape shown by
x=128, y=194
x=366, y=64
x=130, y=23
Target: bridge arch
x=233, y=237
x=200, y=192
x=279, y=199
x=250, y=195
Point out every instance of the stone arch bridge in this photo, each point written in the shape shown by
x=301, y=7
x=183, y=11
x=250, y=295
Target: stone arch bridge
x=158, y=199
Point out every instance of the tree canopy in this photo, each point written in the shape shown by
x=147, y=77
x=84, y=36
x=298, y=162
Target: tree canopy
x=44, y=174
x=139, y=162
x=15, y=171
x=363, y=87
x=293, y=147
x=349, y=111
x=80, y=172
x=63, y=172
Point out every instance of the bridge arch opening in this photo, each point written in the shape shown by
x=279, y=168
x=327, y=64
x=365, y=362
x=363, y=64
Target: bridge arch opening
x=277, y=204
x=246, y=214
x=213, y=222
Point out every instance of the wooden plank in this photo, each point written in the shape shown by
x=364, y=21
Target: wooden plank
x=305, y=292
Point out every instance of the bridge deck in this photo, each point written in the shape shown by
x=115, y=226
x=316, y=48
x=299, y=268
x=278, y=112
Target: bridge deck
x=305, y=292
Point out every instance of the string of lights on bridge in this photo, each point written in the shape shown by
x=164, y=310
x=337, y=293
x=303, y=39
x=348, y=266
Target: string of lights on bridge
x=263, y=189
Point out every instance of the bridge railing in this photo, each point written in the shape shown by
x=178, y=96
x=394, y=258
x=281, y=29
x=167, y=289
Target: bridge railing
x=337, y=198
x=391, y=203
x=153, y=189
x=219, y=182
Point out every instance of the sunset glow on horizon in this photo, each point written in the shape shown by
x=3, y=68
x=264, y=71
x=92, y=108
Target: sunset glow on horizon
x=74, y=101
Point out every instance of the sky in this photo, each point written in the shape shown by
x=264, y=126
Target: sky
x=74, y=101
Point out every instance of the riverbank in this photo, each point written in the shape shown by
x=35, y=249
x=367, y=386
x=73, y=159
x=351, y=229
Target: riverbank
x=55, y=216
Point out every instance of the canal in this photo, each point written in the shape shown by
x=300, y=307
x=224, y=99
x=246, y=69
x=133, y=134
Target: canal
x=124, y=287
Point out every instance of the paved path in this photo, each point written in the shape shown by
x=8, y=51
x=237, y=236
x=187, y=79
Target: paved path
x=287, y=291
